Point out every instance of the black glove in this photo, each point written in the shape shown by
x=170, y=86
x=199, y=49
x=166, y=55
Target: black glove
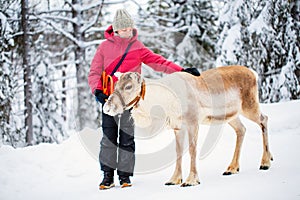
x=100, y=97
x=194, y=71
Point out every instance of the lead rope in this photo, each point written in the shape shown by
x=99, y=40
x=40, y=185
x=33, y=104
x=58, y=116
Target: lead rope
x=119, y=123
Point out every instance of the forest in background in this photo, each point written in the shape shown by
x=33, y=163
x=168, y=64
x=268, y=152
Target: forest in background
x=46, y=47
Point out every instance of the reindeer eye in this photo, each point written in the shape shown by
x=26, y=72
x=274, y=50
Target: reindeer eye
x=128, y=87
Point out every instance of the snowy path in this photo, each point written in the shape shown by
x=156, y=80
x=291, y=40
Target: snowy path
x=68, y=171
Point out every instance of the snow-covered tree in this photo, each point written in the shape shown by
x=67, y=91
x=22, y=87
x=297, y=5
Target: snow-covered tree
x=61, y=40
x=198, y=48
x=76, y=23
x=234, y=19
x=278, y=44
x=288, y=33
x=12, y=123
x=265, y=37
x=48, y=123
x=184, y=31
x=7, y=85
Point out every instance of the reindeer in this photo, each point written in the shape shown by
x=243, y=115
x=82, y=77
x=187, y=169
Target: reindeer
x=218, y=96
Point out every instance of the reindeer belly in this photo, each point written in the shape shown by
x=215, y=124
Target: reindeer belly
x=220, y=108
x=219, y=119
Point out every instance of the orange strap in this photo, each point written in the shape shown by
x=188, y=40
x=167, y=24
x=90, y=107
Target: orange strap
x=107, y=81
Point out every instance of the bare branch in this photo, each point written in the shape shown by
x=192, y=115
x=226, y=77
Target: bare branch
x=60, y=18
x=52, y=11
x=96, y=18
x=62, y=31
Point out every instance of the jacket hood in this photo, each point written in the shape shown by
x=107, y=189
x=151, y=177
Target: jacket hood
x=109, y=34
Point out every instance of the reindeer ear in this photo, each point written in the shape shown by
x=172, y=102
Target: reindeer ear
x=138, y=77
x=118, y=74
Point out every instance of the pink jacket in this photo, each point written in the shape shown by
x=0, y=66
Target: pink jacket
x=110, y=52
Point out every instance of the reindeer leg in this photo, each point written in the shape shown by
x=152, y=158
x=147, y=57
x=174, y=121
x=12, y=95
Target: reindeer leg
x=240, y=130
x=193, y=176
x=177, y=176
x=262, y=121
x=267, y=157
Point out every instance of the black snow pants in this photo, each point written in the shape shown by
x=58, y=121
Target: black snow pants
x=117, y=151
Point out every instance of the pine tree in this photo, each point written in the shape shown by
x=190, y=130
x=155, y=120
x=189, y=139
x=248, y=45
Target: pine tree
x=234, y=41
x=228, y=22
x=199, y=44
x=266, y=39
x=289, y=82
x=186, y=31
x=279, y=64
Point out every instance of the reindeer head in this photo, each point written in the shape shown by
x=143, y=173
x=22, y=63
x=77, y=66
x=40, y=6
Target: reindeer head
x=127, y=93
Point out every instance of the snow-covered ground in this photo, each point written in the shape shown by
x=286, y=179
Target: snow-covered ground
x=71, y=171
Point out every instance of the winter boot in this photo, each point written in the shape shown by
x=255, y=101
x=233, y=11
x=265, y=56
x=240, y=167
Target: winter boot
x=108, y=181
x=125, y=181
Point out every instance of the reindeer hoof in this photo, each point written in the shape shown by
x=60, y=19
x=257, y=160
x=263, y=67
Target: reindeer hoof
x=170, y=183
x=231, y=171
x=262, y=167
x=227, y=173
x=185, y=185
x=173, y=183
x=189, y=184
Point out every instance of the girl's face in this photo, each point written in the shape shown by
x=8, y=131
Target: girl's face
x=125, y=33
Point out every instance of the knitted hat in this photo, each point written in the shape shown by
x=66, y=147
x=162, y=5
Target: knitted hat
x=122, y=20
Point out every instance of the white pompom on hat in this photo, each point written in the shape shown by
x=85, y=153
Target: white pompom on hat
x=122, y=20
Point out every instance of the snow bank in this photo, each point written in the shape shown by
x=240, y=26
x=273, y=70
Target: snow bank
x=71, y=171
